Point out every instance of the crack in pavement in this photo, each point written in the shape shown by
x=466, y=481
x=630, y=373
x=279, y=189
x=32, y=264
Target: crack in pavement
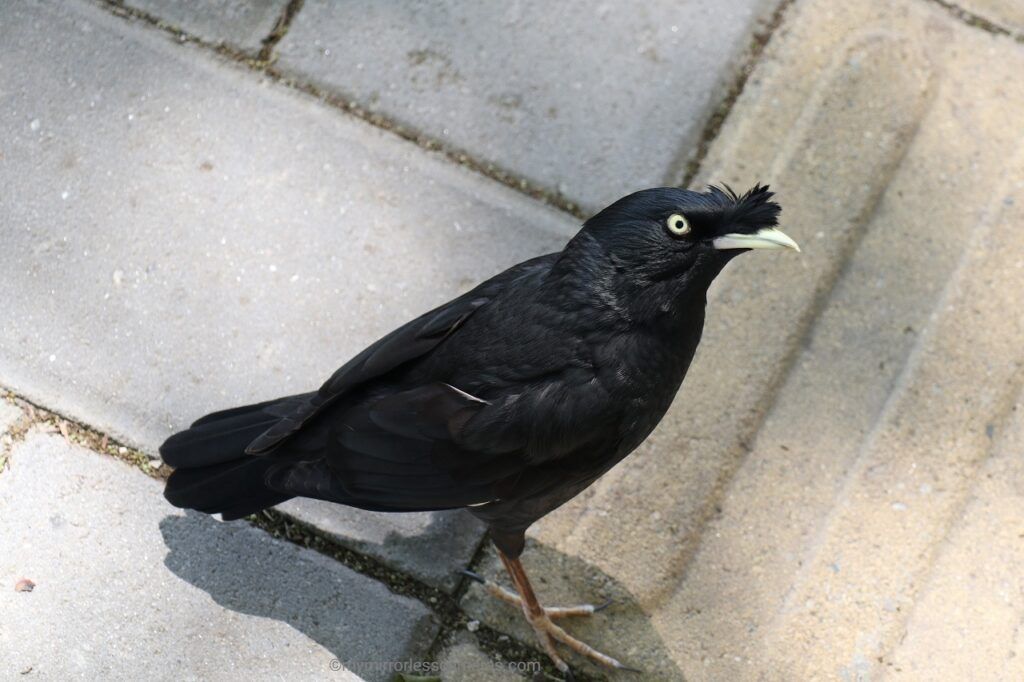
x=977, y=21
x=263, y=63
x=450, y=616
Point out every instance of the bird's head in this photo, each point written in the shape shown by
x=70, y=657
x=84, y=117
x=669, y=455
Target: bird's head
x=668, y=242
x=666, y=232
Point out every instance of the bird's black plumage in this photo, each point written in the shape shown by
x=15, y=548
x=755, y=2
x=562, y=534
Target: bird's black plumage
x=509, y=399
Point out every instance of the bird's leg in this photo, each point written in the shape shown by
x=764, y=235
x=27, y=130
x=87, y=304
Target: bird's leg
x=510, y=597
x=540, y=620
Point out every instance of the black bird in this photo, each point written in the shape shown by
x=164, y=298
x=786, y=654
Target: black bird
x=508, y=400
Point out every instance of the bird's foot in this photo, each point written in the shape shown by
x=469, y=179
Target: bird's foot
x=548, y=633
x=510, y=597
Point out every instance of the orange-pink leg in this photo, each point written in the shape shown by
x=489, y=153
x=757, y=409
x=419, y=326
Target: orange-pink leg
x=540, y=618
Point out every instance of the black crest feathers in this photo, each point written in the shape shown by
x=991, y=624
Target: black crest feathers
x=752, y=211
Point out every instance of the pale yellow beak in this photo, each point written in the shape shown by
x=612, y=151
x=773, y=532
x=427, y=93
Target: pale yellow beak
x=768, y=238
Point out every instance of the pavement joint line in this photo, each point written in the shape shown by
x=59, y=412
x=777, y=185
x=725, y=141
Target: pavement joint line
x=122, y=11
x=805, y=327
x=264, y=63
x=280, y=30
x=74, y=433
x=713, y=126
x=977, y=21
x=444, y=607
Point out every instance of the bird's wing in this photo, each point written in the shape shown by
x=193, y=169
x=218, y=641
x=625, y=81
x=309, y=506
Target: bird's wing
x=437, y=447
x=401, y=452
x=410, y=341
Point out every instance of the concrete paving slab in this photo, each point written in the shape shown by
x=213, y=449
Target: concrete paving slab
x=970, y=610
x=767, y=535
x=433, y=546
x=1008, y=14
x=126, y=587
x=463, y=661
x=848, y=604
x=591, y=100
x=240, y=23
x=188, y=237
x=9, y=413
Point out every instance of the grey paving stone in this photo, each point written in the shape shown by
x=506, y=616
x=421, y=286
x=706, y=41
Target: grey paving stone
x=593, y=99
x=463, y=661
x=187, y=237
x=431, y=546
x=126, y=587
x=9, y=414
x=241, y=23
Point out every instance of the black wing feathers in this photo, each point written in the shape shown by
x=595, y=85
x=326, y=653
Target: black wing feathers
x=406, y=343
x=398, y=439
x=436, y=411
x=400, y=452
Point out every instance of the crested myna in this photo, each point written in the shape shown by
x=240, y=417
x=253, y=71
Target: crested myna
x=508, y=400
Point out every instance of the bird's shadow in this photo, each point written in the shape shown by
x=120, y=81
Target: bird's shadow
x=241, y=571
x=347, y=614
x=623, y=630
x=428, y=545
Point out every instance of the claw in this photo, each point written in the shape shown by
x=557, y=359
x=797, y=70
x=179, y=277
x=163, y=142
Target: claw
x=475, y=576
x=541, y=619
x=603, y=606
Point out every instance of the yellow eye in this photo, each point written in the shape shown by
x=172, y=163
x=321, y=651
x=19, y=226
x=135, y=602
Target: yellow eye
x=678, y=224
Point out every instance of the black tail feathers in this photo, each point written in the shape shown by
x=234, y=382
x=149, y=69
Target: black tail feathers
x=212, y=472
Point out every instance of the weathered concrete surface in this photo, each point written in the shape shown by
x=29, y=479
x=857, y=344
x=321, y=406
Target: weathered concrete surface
x=592, y=100
x=970, y=607
x=835, y=494
x=784, y=520
x=129, y=588
x=431, y=546
x=240, y=23
x=463, y=661
x=1008, y=14
x=9, y=414
x=186, y=238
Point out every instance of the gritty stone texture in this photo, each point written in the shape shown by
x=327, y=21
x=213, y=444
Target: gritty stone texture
x=9, y=413
x=240, y=23
x=129, y=588
x=431, y=546
x=593, y=100
x=463, y=661
x=187, y=238
x=784, y=521
x=970, y=609
x=1008, y=14
x=834, y=495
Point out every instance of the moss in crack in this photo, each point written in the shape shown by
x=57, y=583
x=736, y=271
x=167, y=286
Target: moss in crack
x=977, y=21
x=714, y=124
x=263, y=63
x=453, y=154
x=444, y=606
x=34, y=416
x=119, y=9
